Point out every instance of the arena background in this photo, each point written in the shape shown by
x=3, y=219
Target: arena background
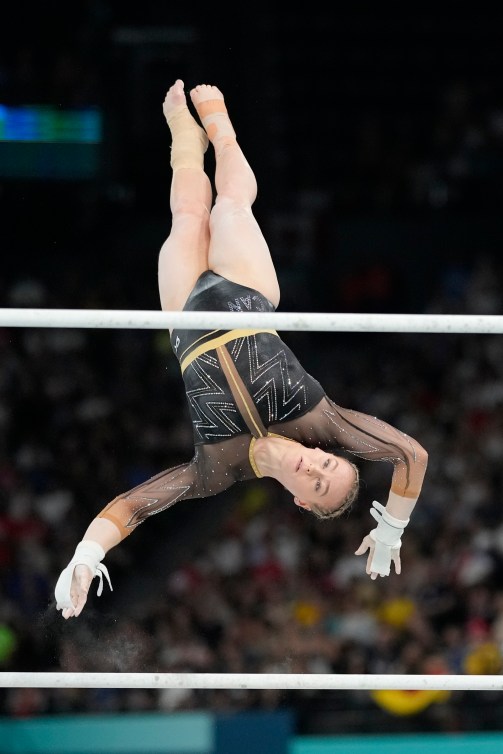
x=376, y=135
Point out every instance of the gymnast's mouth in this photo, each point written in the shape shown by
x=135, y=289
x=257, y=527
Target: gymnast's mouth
x=298, y=465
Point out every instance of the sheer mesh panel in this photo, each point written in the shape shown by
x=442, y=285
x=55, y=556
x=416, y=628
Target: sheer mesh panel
x=214, y=468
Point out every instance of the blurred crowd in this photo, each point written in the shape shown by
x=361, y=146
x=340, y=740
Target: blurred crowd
x=248, y=583
x=264, y=587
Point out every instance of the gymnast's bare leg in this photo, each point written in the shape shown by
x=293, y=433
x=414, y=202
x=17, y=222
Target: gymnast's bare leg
x=183, y=257
x=237, y=250
x=184, y=254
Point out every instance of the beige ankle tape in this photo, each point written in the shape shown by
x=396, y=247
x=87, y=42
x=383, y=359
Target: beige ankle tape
x=215, y=120
x=189, y=141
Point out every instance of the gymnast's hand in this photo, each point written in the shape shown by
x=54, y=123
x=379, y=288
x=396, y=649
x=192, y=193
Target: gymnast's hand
x=383, y=542
x=74, y=581
x=79, y=589
x=380, y=557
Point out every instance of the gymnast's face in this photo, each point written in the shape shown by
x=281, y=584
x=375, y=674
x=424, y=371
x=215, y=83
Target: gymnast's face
x=316, y=478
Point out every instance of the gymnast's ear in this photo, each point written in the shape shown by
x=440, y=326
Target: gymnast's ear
x=301, y=503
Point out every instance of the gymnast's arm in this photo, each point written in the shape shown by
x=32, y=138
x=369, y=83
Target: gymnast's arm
x=372, y=439
x=121, y=517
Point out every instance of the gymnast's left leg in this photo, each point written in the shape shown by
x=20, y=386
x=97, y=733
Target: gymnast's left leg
x=184, y=254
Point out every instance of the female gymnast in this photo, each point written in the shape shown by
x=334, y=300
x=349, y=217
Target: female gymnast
x=255, y=411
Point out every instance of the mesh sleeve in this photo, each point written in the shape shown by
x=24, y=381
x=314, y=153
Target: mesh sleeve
x=374, y=440
x=183, y=482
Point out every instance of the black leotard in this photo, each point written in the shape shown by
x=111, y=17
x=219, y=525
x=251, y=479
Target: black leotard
x=280, y=397
x=279, y=387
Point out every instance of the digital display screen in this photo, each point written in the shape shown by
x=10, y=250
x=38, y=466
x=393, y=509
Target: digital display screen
x=45, y=142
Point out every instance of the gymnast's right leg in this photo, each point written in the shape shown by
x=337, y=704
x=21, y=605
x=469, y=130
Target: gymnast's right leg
x=238, y=250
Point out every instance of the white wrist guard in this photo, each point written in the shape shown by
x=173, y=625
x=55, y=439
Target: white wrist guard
x=87, y=553
x=389, y=529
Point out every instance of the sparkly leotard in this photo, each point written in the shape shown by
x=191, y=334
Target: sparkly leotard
x=242, y=384
x=281, y=390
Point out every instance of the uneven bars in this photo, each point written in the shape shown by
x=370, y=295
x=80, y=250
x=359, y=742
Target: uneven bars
x=228, y=320
x=285, y=681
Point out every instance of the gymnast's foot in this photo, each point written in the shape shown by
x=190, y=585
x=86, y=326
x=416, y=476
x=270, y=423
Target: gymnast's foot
x=209, y=103
x=189, y=141
x=175, y=100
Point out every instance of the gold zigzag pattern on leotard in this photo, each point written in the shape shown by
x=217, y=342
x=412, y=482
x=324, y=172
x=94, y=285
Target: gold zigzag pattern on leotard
x=214, y=413
x=282, y=396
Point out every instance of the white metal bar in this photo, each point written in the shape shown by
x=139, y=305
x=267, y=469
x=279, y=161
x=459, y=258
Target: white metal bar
x=285, y=681
x=211, y=320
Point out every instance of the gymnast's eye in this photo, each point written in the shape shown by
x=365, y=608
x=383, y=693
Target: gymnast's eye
x=317, y=485
x=327, y=463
